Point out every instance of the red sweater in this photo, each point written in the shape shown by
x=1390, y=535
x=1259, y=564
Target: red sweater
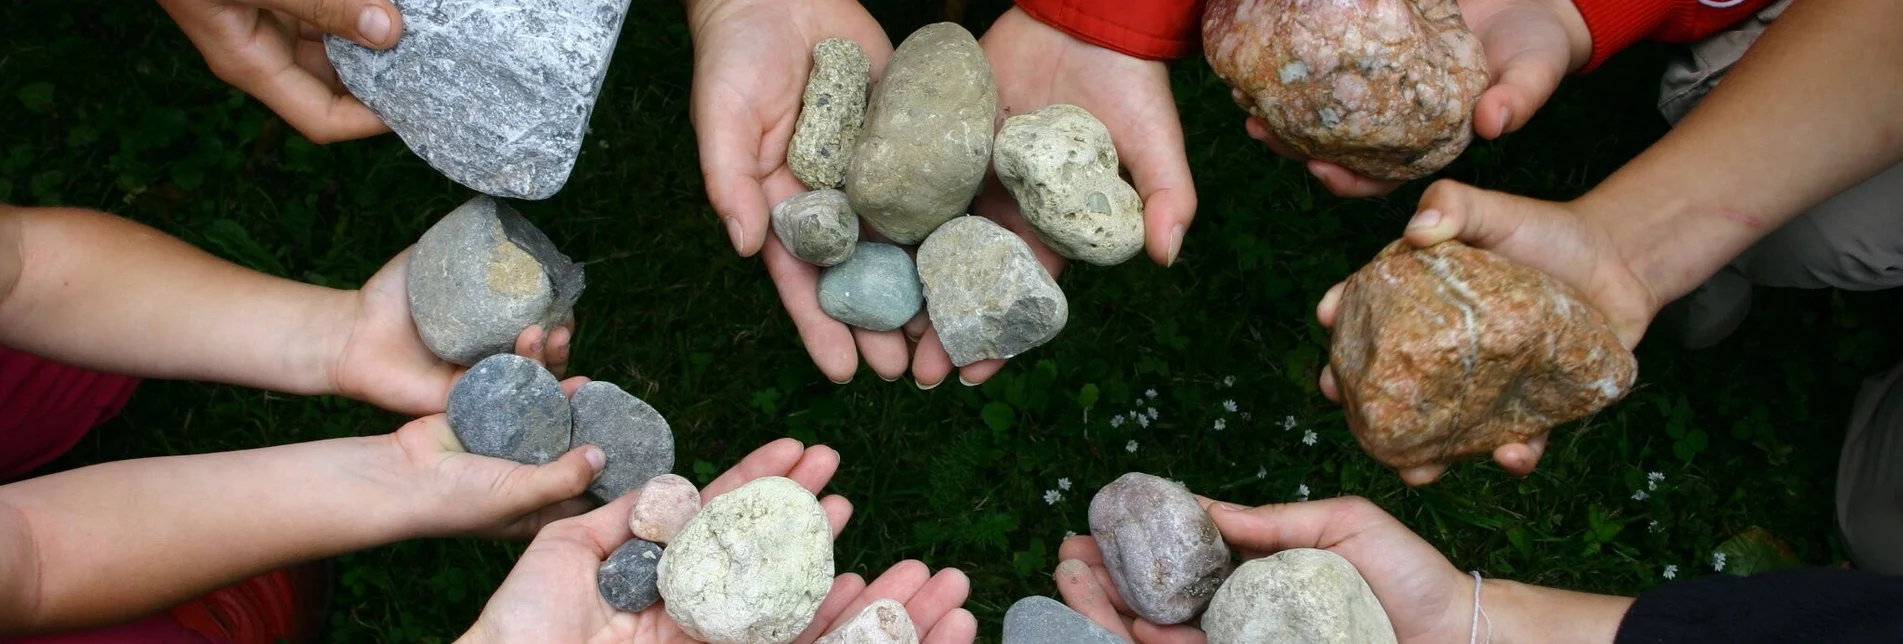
x=1169, y=29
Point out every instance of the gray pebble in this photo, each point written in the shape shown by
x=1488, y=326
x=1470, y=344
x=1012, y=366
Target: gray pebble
x=1060, y=166
x=1161, y=548
x=1042, y=620
x=818, y=227
x=635, y=438
x=626, y=579
x=877, y=288
x=508, y=406
x=483, y=274
x=752, y=567
x=494, y=95
x=927, y=138
x=831, y=111
x=987, y=295
x=1300, y=596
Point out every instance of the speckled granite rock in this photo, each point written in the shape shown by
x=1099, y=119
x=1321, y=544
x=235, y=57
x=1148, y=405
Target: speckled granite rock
x=483, y=274
x=1300, y=596
x=818, y=227
x=508, y=406
x=831, y=112
x=1162, y=550
x=1060, y=166
x=626, y=579
x=752, y=567
x=1042, y=620
x=986, y=293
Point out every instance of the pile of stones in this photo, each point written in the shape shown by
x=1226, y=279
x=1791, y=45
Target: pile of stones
x=1170, y=566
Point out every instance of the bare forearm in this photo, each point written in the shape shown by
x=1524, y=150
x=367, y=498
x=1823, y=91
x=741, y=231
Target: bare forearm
x=1519, y=613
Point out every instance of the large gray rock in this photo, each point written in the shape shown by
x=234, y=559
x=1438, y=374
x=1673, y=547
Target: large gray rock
x=831, y=111
x=635, y=438
x=483, y=274
x=1059, y=163
x=1042, y=620
x=495, y=95
x=986, y=294
x=752, y=567
x=877, y=288
x=508, y=406
x=818, y=227
x=927, y=139
x=626, y=579
x=1300, y=596
x=882, y=622
x=1161, y=548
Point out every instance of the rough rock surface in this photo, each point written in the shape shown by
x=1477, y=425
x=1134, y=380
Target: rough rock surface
x=635, y=438
x=1161, y=548
x=831, y=111
x=1300, y=596
x=1451, y=351
x=666, y=504
x=494, y=95
x=1060, y=166
x=1042, y=620
x=626, y=579
x=922, y=154
x=987, y=295
x=883, y=622
x=1382, y=87
x=818, y=227
x=877, y=288
x=508, y=406
x=483, y=274
x=752, y=567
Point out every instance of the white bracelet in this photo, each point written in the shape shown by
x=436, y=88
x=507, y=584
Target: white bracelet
x=1474, y=636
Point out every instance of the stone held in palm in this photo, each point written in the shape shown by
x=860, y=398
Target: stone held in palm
x=882, y=622
x=1161, y=548
x=508, y=406
x=876, y=289
x=635, y=438
x=494, y=95
x=481, y=275
x=1060, y=165
x=1451, y=351
x=1042, y=620
x=922, y=154
x=626, y=579
x=1299, y=596
x=832, y=109
x=666, y=504
x=818, y=227
x=1385, y=88
x=752, y=567
x=986, y=293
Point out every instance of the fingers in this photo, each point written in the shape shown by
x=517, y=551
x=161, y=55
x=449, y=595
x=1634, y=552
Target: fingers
x=571, y=385
x=1453, y=210
x=1330, y=388
x=1331, y=302
x=1519, y=459
x=886, y=352
x=772, y=459
x=1348, y=183
x=897, y=583
x=958, y=627
x=930, y=364
x=938, y=599
x=371, y=23
x=838, y=512
x=977, y=373
x=815, y=468
x=602, y=529
x=311, y=106
x=828, y=341
x=846, y=588
x=730, y=160
x=1085, y=549
x=565, y=478
x=557, y=351
x=1152, y=149
x=1278, y=527
x=1085, y=594
x=1422, y=475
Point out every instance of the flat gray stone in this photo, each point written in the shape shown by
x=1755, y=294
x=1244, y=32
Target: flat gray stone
x=635, y=438
x=1042, y=620
x=626, y=579
x=495, y=95
x=1161, y=548
x=483, y=274
x=818, y=227
x=752, y=567
x=986, y=294
x=877, y=288
x=882, y=622
x=508, y=406
x=922, y=154
x=831, y=112
x=1300, y=596
x=1060, y=166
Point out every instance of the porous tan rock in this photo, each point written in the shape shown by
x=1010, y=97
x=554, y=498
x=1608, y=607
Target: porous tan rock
x=1382, y=87
x=1450, y=351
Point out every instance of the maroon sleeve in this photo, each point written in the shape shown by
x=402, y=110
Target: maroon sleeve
x=1617, y=24
x=1147, y=29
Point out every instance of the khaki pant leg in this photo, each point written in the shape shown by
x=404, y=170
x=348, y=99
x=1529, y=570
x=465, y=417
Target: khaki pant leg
x=1870, y=476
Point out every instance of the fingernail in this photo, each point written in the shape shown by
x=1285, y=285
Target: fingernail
x=374, y=25
x=1073, y=569
x=735, y=232
x=967, y=383
x=1176, y=243
x=596, y=459
x=891, y=379
x=1424, y=220
x=1228, y=507
x=926, y=387
x=847, y=381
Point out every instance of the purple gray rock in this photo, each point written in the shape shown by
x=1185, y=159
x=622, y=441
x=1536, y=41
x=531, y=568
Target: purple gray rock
x=1042, y=620
x=495, y=95
x=626, y=579
x=1299, y=596
x=882, y=622
x=483, y=274
x=831, y=111
x=752, y=567
x=1161, y=548
x=877, y=288
x=508, y=406
x=922, y=154
x=635, y=438
x=818, y=227
x=1060, y=166
x=987, y=295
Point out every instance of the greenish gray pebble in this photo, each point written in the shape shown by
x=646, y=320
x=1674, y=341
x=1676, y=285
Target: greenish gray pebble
x=877, y=288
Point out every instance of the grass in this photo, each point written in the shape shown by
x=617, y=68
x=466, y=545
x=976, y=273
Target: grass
x=105, y=105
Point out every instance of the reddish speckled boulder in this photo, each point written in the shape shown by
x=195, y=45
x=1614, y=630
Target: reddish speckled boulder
x=1382, y=87
x=1451, y=351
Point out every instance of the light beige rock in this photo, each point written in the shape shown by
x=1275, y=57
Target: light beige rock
x=883, y=622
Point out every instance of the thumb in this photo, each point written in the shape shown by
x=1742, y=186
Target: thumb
x=1453, y=210
x=1308, y=524
x=371, y=23
x=560, y=480
x=1520, y=88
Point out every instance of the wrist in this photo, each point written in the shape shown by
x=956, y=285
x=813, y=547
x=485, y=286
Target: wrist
x=324, y=343
x=1578, y=36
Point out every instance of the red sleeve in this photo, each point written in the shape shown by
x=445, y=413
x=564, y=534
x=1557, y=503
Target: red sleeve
x=1616, y=24
x=1147, y=29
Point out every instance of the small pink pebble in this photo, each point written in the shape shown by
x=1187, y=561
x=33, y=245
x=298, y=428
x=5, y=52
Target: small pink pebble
x=666, y=503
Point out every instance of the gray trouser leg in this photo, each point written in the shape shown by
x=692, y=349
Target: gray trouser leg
x=1870, y=476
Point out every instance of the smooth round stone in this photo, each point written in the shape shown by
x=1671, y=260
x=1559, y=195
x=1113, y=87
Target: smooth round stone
x=633, y=436
x=1060, y=166
x=1162, y=550
x=1300, y=596
x=666, y=504
x=752, y=567
x=986, y=292
x=508, y=406
x=1042, y=620
x=818, y=227
x=877, y=288
x=483, y=274
x=831, y=111
x=626, y=579
x=883, y=622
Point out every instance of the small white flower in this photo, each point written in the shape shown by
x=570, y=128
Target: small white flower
x=1261, y=472
x=1639, y=495
x=1718, y=561
x=1139, y=402
x=1116, y=421
x=1063, y=484
x=1051, y=497
x=1070, y=533
x=1301, y=492
x=1229, y=406
x=1309, y=437
x=1143, y=421
x=1220, y=425
x=1288, y=422
x=1228, y=381
x=1130, y=447
x=1671, y=571
x=1652, y=527
x=1652, y=480
x=1153, y=413
x=1134, y=414
x=1150, y=393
